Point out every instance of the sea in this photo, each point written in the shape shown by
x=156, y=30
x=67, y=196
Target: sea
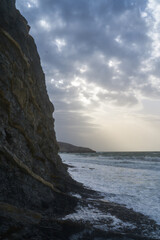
x=127, y=178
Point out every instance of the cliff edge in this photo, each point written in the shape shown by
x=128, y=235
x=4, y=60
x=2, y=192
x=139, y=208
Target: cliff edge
x=37, y=195
x=33, y=180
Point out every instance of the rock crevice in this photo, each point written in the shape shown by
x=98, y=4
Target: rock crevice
x=32, y=175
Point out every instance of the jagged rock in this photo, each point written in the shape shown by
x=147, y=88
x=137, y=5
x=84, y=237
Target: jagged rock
x=69, y=148
x=32, y=175
x=34, y=184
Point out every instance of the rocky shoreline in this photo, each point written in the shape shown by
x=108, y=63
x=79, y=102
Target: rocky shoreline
x=92, y=218
x=38, y=198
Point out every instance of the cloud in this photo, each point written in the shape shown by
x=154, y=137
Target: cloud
x=96, y=53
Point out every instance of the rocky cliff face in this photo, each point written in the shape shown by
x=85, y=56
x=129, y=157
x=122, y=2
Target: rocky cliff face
x=32, y=176
x=34, y=184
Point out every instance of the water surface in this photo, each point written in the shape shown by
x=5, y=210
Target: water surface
x=132, y=179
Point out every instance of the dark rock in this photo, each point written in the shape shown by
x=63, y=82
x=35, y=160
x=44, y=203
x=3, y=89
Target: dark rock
x=32, y=175
x=69, y=148
x=35, y=187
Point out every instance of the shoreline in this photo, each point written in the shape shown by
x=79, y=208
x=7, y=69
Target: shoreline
x=112, y=218
x=87, y=217
x=130, y=225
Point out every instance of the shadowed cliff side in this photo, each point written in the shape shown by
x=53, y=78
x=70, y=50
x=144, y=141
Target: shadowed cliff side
x=32, y=176
x=36, y=191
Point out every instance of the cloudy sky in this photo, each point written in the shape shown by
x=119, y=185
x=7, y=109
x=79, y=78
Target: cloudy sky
x=101, y=59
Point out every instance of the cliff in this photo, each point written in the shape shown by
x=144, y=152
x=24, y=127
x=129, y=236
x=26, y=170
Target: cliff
x=36, y=191
x=33, y=181
x=69, y=148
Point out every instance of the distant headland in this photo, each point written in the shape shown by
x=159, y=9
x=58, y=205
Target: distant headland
x=69, y=148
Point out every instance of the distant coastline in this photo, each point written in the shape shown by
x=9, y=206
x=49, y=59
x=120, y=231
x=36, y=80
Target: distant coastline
x=70, y=148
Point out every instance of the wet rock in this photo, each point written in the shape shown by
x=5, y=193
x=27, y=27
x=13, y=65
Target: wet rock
x=36, y=192
x=32, y=176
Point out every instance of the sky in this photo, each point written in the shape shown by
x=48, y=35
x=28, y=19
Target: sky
x=101, y=59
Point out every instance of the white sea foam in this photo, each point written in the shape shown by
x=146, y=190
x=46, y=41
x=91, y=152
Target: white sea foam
x=100, y=220
x=126, y=178
x=76, y=195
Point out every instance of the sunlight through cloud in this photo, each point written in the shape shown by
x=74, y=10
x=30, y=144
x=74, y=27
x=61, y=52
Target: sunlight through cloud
x=44, y=24
x=103, y=59
x=60, y=43
x=32, y=3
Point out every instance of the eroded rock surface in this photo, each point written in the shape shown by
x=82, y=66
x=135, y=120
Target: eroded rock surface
x=32, y=175
x=36, y=192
